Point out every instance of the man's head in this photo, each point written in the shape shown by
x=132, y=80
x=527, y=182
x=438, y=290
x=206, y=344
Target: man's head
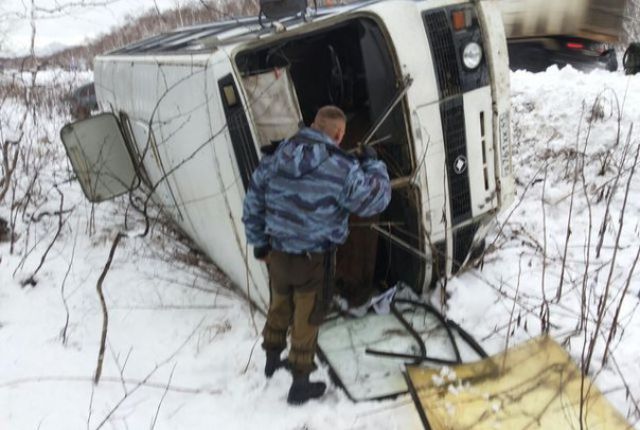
x=332, y=121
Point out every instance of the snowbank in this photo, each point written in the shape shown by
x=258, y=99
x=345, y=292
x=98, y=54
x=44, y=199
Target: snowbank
x=576, y=136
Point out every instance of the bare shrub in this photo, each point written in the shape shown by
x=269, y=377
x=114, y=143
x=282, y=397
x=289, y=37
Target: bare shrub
x=632, y=22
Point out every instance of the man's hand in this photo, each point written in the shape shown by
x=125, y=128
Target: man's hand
x=367, y=153
x=262, y=253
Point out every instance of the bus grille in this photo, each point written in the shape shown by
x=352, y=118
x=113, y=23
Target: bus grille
x=444, y=53
x=453, y=126
x=447, y=70
x=462, y=241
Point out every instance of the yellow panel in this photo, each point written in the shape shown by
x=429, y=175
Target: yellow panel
x=533, y=386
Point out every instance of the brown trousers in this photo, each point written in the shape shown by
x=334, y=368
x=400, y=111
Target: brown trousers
x=301, y=288
x=356, y=266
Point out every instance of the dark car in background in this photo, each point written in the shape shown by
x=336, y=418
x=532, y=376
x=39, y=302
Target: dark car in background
x=580, y=33
x=536, y=54
x=82, y=101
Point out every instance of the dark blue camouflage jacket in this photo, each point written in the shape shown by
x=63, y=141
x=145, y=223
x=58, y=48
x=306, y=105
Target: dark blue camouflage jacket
x=300, y=197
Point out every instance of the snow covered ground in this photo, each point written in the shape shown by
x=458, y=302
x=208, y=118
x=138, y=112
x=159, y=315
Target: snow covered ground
x=183, y=350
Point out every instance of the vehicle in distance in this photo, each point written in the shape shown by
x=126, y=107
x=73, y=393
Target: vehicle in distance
x=580, y=33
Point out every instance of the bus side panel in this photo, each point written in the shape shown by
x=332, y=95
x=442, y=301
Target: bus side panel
x=129, y=88
x=180, y=134
x=208, y=180
x=201, y=190
x=497, y=56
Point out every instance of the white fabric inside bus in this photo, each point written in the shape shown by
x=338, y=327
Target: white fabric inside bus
x=274, y=104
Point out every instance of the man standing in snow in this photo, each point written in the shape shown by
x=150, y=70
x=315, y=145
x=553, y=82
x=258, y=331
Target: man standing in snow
x=296, y=213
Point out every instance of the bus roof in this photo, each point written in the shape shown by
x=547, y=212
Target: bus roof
x=207, y=37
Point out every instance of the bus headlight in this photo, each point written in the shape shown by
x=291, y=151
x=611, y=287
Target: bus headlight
x=472, y=55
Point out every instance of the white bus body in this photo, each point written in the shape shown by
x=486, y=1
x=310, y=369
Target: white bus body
x=192, y=127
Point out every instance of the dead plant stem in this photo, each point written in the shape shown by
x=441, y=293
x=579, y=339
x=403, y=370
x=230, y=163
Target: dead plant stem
x=105, y=312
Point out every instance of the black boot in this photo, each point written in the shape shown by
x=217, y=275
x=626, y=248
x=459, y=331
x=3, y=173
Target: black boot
x=302, y=390
x=274, y=362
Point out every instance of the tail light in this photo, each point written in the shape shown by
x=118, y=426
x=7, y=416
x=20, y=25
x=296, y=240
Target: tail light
x=575, y=45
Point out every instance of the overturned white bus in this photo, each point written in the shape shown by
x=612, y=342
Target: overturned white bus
x=427, y=81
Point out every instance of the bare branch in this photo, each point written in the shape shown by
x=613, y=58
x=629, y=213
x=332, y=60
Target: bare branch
x=602, y=305
x=573, y=191
x=155, y=418
x=145, y=381
x=63, y=332
x=32, y=279
x=105, y=313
